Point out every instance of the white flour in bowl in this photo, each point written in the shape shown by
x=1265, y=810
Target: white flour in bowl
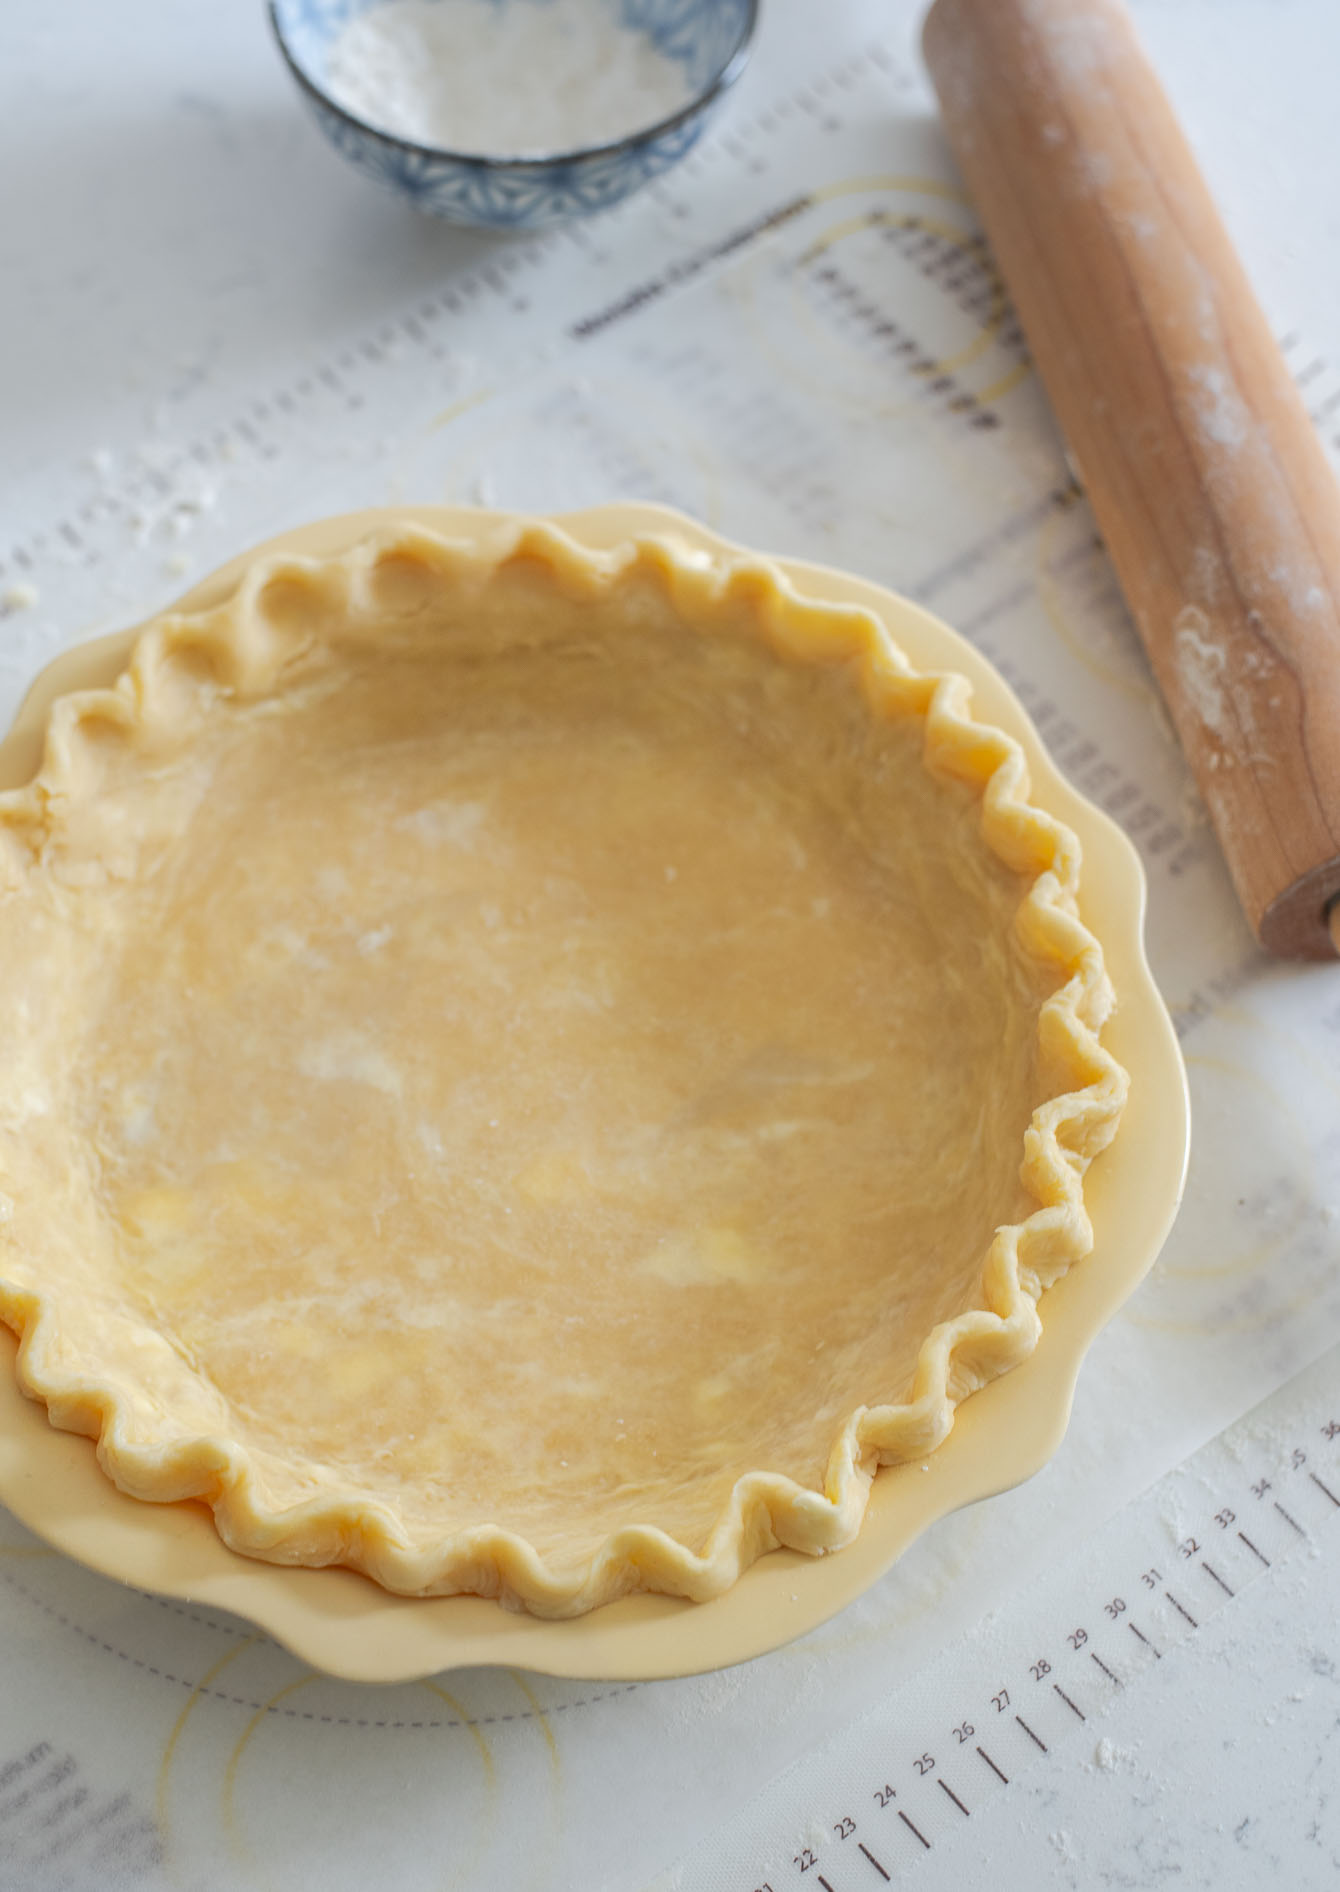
x=512, y=79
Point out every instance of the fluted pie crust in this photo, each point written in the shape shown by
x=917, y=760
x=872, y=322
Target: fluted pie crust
x=533, y=1071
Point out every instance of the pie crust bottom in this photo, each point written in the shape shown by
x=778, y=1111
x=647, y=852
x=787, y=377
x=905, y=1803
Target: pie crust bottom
x=515, y=1065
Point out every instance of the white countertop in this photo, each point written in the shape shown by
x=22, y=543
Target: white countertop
x=178, y=244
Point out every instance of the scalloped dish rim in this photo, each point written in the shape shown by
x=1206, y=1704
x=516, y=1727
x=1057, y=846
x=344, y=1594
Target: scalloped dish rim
x=992, y=745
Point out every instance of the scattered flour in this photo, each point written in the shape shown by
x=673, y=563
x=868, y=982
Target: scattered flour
x=1220, y=409
x=19, y=597
x=348, y=1057
x=373, y=942
x=516, y=79
x=1201, y=664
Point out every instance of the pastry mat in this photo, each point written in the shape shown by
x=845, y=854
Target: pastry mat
x=1217, y=1551
x=798, y=338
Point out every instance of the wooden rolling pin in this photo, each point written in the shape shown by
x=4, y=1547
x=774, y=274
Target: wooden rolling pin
x=1210, y=487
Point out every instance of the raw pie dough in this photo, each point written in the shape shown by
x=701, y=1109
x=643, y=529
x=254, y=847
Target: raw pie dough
x=515, y=1064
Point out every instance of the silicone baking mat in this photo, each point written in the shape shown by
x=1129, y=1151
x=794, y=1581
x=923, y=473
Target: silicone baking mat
x=799, y=339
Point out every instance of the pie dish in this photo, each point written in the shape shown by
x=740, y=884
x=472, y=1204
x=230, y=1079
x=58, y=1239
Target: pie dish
x=532, y=1069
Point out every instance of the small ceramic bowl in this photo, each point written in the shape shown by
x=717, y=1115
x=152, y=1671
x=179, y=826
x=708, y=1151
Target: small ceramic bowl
x=708, y=38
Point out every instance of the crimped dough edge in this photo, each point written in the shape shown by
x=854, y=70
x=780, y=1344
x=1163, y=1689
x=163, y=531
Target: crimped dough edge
x=182, y=660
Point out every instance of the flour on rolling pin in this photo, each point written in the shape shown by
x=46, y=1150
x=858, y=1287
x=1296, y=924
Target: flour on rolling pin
x=1210, y=487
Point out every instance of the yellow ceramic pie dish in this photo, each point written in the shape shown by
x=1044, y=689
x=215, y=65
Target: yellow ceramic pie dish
x=536, y=1055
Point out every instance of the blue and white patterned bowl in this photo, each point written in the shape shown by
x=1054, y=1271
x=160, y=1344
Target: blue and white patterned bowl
x=709, y=38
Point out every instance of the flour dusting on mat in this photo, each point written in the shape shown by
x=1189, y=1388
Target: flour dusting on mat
x=504, y=78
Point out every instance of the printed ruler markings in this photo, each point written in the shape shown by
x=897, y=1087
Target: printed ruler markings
x=685, y=268
x=1180, y=1610
x=1326, y=1488
x=876, y=326
x=1038, y=1739
x=1056, y=1686
x=914, y=1829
